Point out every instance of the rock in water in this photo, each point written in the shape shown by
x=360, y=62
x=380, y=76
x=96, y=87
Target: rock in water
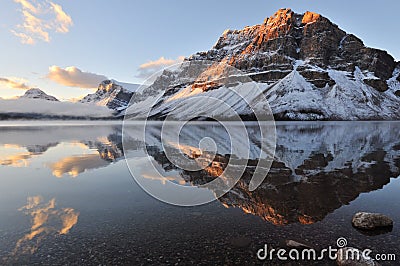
x=353, y=257
x=295, y=244
x=371, y=221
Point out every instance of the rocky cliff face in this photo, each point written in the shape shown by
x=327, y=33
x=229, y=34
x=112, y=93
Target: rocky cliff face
x=307, y=66
x=312, y=38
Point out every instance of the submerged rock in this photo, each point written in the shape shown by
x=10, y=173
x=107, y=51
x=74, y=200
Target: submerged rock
x=295, y=244
x=353, y=257
x=371, y=221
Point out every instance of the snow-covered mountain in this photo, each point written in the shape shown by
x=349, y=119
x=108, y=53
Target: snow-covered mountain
x=38, y=94
x=306, y=66
x=110, y=97
x=112, y=94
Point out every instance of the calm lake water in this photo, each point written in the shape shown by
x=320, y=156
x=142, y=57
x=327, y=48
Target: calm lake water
x=68, y=197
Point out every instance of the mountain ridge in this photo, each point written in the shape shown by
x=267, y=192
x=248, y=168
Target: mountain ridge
x=307, y=67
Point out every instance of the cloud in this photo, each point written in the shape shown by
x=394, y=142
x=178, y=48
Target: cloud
x=149, y=68
x=40, y=19
x=161, y=62
x=14, y=83
x=63, y=21
x=74, y=77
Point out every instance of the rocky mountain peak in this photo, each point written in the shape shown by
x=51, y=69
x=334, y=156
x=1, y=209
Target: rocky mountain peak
x=287, y=37
x=36, y=93
x=108, y=85
x=112, y=94
x=310, y=17
x=281, y=17
x=286, y=16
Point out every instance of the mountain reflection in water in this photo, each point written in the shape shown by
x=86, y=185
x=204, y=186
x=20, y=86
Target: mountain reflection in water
x=317, y=167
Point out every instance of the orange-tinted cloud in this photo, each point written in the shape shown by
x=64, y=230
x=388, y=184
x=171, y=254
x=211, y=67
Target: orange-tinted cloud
x=14, y=83
x=74, y=77
x=62, y=21
x=161, y=62
x=147, y=69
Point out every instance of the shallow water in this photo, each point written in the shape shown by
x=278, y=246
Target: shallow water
x=67, y=195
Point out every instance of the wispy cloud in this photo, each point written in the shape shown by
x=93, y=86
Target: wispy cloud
x=74, y=77
x=40, y=19
x=161, y=62
x=62, y=21
x=14, y=83
x=149, y=68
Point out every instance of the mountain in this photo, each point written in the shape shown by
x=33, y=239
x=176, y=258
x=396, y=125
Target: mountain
x=38, y=94
x=36, y=104
x=306, y=66
x=112, y=94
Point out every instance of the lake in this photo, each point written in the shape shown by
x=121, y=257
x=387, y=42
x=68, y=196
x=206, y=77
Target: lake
x=74, y=193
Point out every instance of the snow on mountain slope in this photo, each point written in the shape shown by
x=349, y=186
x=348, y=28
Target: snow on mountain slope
x=128, y=86
x=293, y=98
x=394, y=83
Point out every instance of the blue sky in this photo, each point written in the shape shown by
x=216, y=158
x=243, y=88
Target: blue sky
x=114, y=38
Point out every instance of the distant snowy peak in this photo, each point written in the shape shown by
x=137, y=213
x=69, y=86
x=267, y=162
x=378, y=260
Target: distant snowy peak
x=38, y=94
x=112, y=94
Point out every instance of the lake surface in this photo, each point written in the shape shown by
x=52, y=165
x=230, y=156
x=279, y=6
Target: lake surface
x=67, y=195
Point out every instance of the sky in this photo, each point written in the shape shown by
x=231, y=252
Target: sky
x=67, y=47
